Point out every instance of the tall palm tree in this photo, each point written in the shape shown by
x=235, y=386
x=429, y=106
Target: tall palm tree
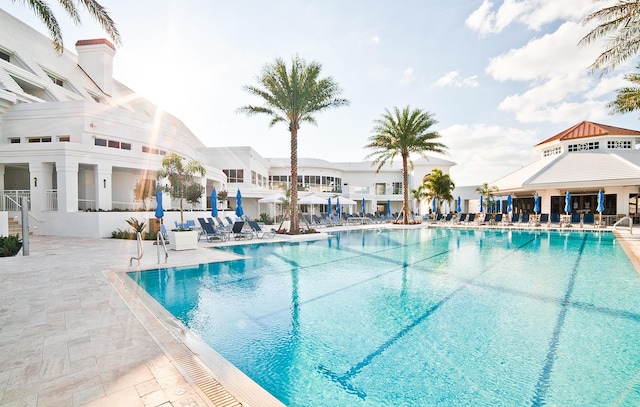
x=439, y=185
x=293, y=96
x=402, y=133
x=181, y=178
x=97, y=11
x=621, y=23
x=627, y=98
x=487, y=191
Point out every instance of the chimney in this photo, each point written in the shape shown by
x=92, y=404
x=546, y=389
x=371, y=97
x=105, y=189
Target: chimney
x=95, y=57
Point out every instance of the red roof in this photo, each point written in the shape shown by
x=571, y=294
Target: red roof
x=588, y=129
x=97, y=41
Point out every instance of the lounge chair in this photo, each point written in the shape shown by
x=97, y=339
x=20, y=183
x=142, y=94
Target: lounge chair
x=223, y=224
x=190, y=224
x=257, y=230
x=515, y=219
x=485, y=220
x=497, y=220
x=239, y=233
x=525, y=219
x=588, y=219
x=575, y=219
x=163, y=232
x=544, y=218
x=471, y=218
x=555, y=220
x=448, y=218
x=211, y=233
x=437, y=218
x=462, y=218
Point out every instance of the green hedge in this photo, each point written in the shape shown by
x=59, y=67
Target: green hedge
x=10, y=245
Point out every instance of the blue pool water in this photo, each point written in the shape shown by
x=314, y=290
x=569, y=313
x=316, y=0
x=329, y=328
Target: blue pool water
x=422, y=317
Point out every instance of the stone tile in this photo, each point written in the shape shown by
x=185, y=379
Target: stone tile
x=125, y=376
x=89, y=394
x=147, y=387
x=126, y=397
x=155, y=399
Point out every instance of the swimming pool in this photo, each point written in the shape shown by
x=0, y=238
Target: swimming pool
x=421, y=317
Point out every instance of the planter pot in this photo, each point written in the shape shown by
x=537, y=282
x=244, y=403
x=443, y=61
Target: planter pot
x=183, y=240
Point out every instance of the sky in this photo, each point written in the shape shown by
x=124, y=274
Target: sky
x=498, y=76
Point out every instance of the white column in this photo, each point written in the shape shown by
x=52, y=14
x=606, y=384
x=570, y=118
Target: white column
x=103, y=187
x=67, y=186
x=40, y=180
x=1, y=177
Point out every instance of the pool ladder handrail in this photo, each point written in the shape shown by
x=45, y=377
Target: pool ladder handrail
x=621, y=222
x=160, y=241
x=140, y=250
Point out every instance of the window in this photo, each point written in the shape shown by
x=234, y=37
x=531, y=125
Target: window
x=64, y=139
x=125, y=146
x=113, y=144
x=39, y=140
x=146, y=149
x=100, y=142
x=380, y=188
x=254, y=178
x=552, y=151
x=234, y=175
x=5, y=56
x=619, y=145
x=14, y=140
x=55, y=79
x=96, y=99
x=594, y=145
x=397, y=188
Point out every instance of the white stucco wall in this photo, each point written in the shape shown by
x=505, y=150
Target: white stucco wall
x=4, y=223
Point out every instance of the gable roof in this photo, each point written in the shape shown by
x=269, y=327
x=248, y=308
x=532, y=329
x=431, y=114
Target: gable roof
x=587, y=129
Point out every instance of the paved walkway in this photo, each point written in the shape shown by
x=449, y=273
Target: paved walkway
x=73, y=333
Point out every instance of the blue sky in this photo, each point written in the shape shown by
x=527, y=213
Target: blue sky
x=499, y=76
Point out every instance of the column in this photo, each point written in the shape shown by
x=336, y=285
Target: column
x=103, y=192
x=67, y=186
x=1, y=177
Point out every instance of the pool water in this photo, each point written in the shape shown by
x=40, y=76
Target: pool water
x=422, y=317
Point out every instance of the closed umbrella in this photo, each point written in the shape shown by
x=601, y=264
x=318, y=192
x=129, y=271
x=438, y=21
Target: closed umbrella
x=329, y=206
x=509, y=203
x=214, y=203
x=159, y=208
x=600, y=208
x=239, y=211
x=388, y=206
x=567, y=203
x=536, y=203
x=459, y=204
x=499, y=206
x=434, y=205
x=363, y=211
x=480, y=204
x=338, y=206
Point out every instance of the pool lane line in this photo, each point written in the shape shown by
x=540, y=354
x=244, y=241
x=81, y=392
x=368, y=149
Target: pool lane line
x=343, y=379
x=542, y=386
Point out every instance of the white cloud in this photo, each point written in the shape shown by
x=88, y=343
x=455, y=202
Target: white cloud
x=375, y=39
x=531, y=13
x=607, y=85
x=484, y=153
x=407, y=76
x=452, y=78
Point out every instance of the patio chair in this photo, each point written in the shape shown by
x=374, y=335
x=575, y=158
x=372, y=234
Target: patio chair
x=257, y=230
x=438, y=218
x=448, y=218
x=497, y=220
x=525, y=219
x=515, y=219
x=163, y=232
x=485, y=220
x=544, y=218
x=191, y=224
x=471, y=218
x=462, y=218
x=555, y=220
x=239, y=233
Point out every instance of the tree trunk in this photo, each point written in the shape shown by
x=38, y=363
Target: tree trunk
x=405, y=186
x=294, y=179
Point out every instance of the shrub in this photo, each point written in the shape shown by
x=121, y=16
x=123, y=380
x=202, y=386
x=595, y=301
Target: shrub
x=10, y=245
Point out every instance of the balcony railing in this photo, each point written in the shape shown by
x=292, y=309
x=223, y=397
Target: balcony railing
x=10, y=199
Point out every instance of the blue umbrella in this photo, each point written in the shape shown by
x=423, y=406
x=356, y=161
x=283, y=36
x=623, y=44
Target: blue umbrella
x=363, y=205
x=499, y=206
x=338, y=206
x=600, y=202
x=567, y=202
x=434, y=205
x=329, y=206
x=536, y=203
x=388, y=206
x=509, y=203
x=159, y=209
x=239, y=211
x=480, y=204
x=459, y=204
x=214, y=203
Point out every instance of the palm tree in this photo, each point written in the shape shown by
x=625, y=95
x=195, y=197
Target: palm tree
x=97, y=11
x=293, y=96
x=403, y=132
x=627, y=98
x=180, y=177
x=622, y=23
x=418, y=194
x=439, y=185
x=487, y=192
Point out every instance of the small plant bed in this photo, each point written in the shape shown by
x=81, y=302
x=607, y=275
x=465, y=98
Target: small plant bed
x=10, y=245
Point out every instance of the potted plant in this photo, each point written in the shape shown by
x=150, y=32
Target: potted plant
x=180, y=176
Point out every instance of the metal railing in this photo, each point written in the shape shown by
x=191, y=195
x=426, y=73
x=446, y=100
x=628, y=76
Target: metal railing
x=627, y=221
x=52, y=200
x=140, y=250
x=10, y=199
x=160, y=241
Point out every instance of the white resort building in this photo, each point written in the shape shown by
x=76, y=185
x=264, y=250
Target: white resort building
x=75, y=142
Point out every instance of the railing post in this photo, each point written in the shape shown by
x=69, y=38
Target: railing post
x=25, y=226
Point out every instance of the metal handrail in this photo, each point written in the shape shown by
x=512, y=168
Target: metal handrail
x=19, y=206
x=623, y=220
x=140, y=250
x=160, y=240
